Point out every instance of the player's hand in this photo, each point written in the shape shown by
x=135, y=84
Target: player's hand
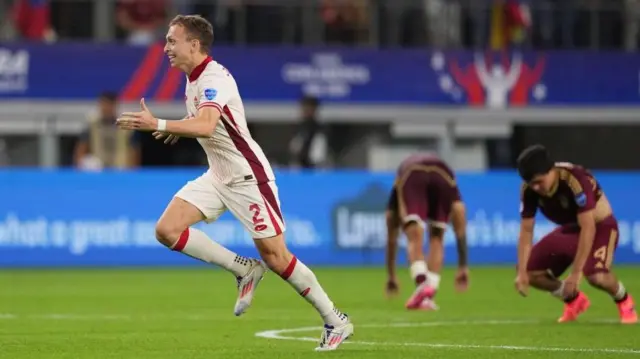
x=522, y=284
x=141, y=121
x=462, y=279
x=571, y=284
x=169, y=139
x=392, y=289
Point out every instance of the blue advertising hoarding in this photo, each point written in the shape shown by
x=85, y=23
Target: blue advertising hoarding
x=107, y=219
x=343, y=75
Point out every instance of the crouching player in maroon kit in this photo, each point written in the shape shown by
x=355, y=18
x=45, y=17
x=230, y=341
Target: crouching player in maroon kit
x=586, y=236
x=425, y=191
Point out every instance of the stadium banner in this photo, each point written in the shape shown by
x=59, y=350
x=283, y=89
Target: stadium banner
x=495, y=80
x=66, y=218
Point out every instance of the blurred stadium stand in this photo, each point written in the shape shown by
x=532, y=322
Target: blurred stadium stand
x=475, y=80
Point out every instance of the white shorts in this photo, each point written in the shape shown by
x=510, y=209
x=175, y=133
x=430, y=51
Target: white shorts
x=255, y=205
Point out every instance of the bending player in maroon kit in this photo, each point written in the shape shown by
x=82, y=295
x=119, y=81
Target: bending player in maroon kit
x=425, y=190
x=587, y=235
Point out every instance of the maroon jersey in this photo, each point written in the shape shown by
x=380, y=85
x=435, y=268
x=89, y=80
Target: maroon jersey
x=426, y=162
x=424, y=190
x=576, y=191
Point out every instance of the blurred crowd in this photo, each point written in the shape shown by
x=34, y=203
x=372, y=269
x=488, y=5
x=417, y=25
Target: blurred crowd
x=478, y=24
x=101, y=145
x=407, y=23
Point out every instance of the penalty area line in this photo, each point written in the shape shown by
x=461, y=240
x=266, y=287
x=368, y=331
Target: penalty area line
x=280, y=334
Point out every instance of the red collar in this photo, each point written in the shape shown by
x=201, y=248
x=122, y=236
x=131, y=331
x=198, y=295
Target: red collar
x=199, y=69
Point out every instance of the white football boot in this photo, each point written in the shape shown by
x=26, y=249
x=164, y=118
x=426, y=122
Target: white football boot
x=332, y=336
x=247, y=286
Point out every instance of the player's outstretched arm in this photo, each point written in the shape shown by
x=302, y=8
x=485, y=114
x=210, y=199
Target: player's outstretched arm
x=459, y=221
x=584, y=189
x=201, y=126
x=525, y=242
x=393, y=232
x=528, y=209
x=587, y=223
x=169, y=139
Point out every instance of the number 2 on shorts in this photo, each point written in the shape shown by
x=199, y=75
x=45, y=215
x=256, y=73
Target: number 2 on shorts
x=258, y=224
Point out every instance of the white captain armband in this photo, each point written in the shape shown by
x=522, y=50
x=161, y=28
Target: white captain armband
x=162, y=125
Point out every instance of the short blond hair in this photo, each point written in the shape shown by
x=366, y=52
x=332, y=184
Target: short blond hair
x=197, y=28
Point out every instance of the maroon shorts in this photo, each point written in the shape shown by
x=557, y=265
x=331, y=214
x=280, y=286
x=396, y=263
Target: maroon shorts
x=426, y=196
x=556, y=251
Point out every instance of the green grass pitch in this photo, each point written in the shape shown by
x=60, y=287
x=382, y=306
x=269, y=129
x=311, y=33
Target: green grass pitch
x=188, y=313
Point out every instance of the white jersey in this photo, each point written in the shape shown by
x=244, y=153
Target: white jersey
x=232, y=153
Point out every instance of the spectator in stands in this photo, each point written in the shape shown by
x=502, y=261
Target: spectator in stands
x=498, y=24
x=31, y=20
x=102, y=145
x=346, y=21
x=511, y=20
x=443, y=19
x=143, y=20
x=308, y=148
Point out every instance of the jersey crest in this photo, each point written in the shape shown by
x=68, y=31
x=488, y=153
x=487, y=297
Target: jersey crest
x=581, y=199
x=210, y=94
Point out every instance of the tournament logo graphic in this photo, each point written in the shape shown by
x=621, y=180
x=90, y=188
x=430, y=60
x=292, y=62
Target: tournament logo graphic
x=210, y=94
x=326, y=75
x=491, y=80
x=14, y=71
x=359, y=222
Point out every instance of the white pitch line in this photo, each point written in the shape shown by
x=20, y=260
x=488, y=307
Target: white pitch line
x=277, y=334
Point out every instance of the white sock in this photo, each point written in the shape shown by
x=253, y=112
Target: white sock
x=559, y=293
x=305, y=282
x=622, y=291
x=433, y=280
x=418, y=270
x=196, y=244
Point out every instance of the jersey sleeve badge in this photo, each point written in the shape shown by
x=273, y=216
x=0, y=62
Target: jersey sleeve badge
x=210, y=94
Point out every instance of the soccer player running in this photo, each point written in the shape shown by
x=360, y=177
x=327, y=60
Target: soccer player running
x=585, y=239
x=425, y=191
x=239, y=179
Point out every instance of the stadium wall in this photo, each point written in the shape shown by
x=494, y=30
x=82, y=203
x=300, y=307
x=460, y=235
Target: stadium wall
x=66, y=218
